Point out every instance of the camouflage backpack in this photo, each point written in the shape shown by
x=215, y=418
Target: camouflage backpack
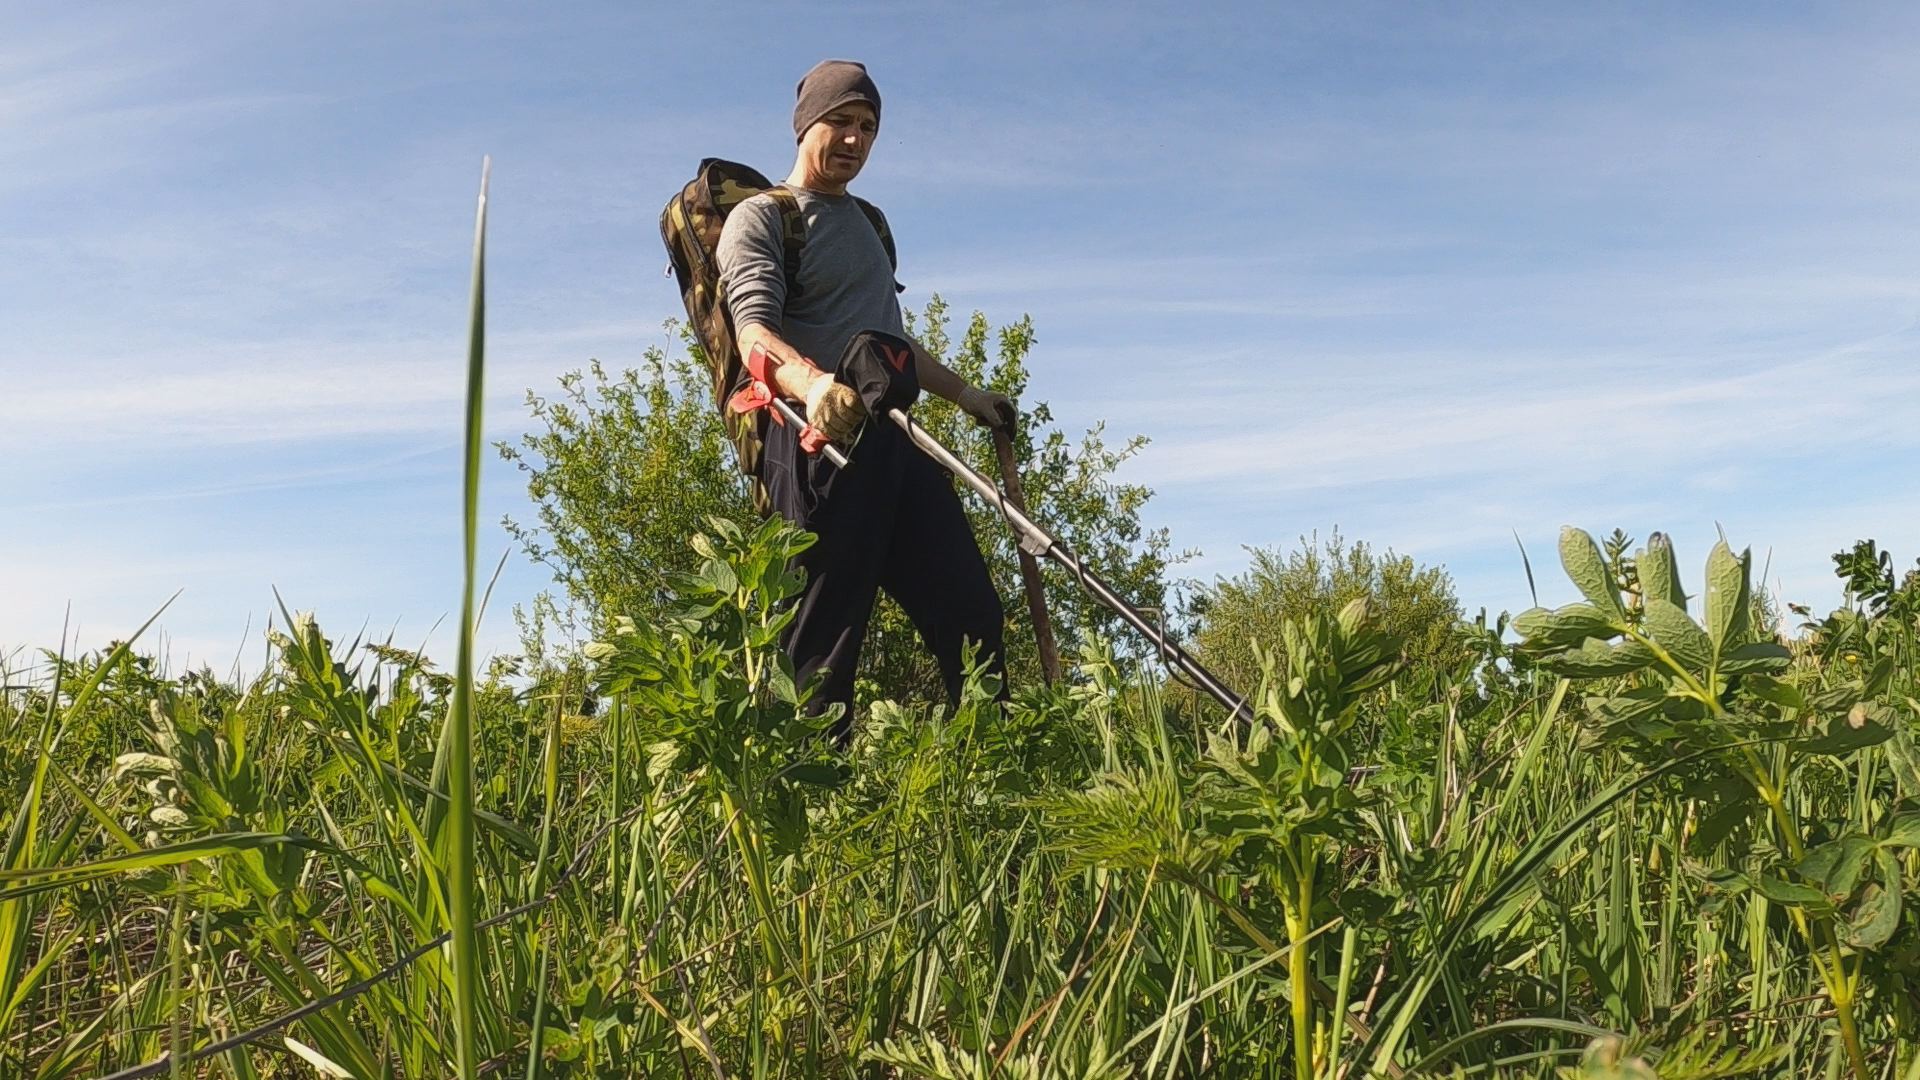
x=690, y=226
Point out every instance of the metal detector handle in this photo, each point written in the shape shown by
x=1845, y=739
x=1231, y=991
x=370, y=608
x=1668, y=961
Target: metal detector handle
x=833, y=452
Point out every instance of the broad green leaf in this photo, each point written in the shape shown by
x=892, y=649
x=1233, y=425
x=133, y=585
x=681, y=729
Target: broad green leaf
x=1781, y=891
x=1368, y=907
x=1720, y=884
x=1756, y=656
x=1632, y=706
x=1838, y=865
x=1727, y=597
x=780, y=682
x=1875, y=918
x=1660, y=573
x=1768, y=688
x=1588, y=569
x=1597, y=659
x=1719, y=824
x=1717, y=878
x=1842, y=733
x=817, y=774
x=1563, y=627
x=1679, y=635
x=1353, y=617
x=1904, y=759
x=1834, y=697
x=1902, y=830
x=719, y=576
x=561, y=1044
x=662, y=758
x=1878, y=676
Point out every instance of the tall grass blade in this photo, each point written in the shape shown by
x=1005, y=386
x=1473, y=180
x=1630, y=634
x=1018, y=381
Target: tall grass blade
x=461, y=737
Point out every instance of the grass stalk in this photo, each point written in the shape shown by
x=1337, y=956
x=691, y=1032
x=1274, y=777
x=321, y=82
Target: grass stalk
x=462, y=738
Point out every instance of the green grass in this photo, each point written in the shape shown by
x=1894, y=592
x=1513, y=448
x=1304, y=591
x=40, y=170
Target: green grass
x=1091, y=882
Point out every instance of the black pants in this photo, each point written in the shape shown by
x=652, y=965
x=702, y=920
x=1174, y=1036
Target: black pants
x=891, y=521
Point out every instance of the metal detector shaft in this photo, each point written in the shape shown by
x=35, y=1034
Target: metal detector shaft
x=1034, y=538
x=833, y=452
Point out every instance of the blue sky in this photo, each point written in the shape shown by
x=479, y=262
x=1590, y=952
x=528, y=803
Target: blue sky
x=1434, y=277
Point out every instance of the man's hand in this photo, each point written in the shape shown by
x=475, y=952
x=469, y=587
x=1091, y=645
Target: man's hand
x=834, y=409
x=994, y=409
x=990, y=407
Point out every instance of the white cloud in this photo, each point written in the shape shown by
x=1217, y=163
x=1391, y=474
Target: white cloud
x=281, y=391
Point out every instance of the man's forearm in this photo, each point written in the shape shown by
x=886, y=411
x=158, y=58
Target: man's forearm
x=793, y=374
x=935, y=377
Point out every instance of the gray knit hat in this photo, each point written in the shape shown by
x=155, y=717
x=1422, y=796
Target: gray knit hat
x=831, y=84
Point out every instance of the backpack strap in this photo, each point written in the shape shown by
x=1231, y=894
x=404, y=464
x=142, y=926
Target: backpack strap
x=879, y=222
x=793, y=235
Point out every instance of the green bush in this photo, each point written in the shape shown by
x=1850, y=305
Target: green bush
x=1413, y=604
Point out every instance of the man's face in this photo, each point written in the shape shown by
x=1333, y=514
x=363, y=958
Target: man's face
x=835, y=147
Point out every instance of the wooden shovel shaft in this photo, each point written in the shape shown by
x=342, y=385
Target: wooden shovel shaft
x=1029, y=566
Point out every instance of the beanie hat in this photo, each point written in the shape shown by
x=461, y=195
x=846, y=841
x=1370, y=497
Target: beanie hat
x=831, y=84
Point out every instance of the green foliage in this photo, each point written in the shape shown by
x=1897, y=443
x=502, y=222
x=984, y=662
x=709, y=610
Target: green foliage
x=1238, y=615
x=625, y=469
x=1696, y=1054
x=1697, y=854
x=929, y=1059
x=714, y=697
x=1871, y=582
x=1711, y=696
x=1272, y=808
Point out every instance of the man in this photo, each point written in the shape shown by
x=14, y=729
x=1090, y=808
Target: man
x=892, y=521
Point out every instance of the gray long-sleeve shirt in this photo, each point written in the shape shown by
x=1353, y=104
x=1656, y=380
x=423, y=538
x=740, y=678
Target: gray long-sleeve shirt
x=846, y=283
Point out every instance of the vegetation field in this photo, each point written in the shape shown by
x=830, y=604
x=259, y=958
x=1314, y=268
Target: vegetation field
x=1665, y=831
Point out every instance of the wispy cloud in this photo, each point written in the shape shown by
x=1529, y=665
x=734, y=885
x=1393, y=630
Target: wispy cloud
x=234, y=393
x=1547, y=424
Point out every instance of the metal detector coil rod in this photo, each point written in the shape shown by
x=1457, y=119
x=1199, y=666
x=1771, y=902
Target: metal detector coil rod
x=1035, y=539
